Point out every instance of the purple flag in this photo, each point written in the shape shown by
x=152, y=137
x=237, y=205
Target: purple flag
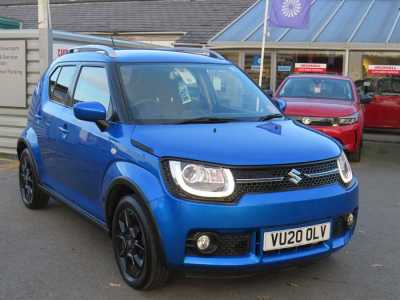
x=290, y=13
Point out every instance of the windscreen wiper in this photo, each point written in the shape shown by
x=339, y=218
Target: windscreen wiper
x=206, y=120
x=269, y=117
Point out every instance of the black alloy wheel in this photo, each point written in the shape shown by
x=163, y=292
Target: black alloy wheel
x=137, y=247
x=26, y=181
x=31, y=195
x=130, y=244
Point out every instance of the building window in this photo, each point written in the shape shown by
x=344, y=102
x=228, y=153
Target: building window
x=233, y=57
x=331, y=62
x=252, y=68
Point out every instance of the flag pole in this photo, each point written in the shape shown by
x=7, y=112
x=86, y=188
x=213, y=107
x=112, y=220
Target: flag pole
x=264, y=41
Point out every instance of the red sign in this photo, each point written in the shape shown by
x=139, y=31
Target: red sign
x=309, y=68
x=383, y=70
x=61, y=51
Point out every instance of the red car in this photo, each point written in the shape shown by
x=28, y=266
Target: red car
x=384, y=109
x=327, y=103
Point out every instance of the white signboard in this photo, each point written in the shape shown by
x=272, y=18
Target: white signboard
x=12, y=73
x=309, y=68
x=384, y=70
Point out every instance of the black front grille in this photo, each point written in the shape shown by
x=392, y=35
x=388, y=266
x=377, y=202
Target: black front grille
x=270, y=179
x=339, y=226
x=316, y=121
x=227, y=244
x=276, y=179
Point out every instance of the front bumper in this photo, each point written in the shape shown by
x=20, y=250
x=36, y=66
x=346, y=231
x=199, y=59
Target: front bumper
x=254, y=213
x=349, y=135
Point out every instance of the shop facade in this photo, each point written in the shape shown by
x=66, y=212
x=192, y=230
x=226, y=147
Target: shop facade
x=356, y=38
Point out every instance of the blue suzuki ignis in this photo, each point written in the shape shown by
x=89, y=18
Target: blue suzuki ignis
x=185, y=162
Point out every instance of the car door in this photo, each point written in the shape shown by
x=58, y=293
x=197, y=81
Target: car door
x=87, y=148
x=384, y=110
x=50, y=131
x=392, y=104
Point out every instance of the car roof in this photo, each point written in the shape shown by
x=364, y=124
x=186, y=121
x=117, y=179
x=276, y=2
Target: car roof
x=330, y=76
x=142, y=56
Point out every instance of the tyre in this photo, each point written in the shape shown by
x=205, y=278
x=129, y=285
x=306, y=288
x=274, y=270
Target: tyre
x=137, y=247
x=32, y=196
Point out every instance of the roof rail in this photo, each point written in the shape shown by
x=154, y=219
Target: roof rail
x=198, y=51
x=94, y=48
x=111, y=52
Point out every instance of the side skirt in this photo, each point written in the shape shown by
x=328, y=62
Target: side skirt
x=75, y=207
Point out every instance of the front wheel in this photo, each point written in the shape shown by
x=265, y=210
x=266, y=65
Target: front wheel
x=136, y=246
x=31, y=195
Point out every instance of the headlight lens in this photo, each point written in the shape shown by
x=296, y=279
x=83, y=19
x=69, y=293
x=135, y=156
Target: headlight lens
x=202, y=181
x=348, y=120
x=344, y=168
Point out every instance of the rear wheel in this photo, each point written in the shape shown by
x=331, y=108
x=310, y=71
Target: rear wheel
x=31, y=195
x=136, y=246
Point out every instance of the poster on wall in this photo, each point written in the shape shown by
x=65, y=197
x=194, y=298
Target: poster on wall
x=384, y=70
x=13, y=73
x=256, y=63
x=309, y=68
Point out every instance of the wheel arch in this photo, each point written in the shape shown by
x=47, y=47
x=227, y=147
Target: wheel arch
x=23, y=144
x=120, y=187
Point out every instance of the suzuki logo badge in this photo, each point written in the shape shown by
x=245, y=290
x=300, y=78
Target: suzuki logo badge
x=294, y=176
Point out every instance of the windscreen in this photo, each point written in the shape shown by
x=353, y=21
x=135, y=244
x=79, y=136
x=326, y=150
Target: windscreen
x=178, y=92
x=317, y=88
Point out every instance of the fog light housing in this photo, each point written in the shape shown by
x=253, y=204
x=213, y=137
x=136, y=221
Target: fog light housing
x=350, y=220
x=206, y=243
x=203, y=242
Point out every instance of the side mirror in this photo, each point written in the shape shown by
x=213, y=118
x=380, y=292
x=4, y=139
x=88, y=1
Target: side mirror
x=269, y=93
x=280, y=104
x=366, y=98
x=90, y=111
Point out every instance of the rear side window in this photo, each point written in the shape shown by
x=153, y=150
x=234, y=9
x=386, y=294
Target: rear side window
x=389, y=86
x=93, y=86
x=59, y=89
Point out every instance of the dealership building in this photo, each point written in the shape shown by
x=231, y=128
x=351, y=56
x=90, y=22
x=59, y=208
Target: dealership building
x=358, y=38
x=343, y=37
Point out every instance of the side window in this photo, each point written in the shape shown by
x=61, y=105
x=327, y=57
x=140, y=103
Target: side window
x=93, y=86
x=389, y=86
x=53, y=80
x=63, y=84
x=396, y=86
x=385, y=86
x=365, y=86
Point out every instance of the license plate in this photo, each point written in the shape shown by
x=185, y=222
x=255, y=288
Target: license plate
x=284, y=239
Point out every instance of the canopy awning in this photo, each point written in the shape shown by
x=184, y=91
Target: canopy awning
x=343, y=23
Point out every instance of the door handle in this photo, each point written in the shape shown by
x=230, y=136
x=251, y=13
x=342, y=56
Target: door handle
x=63, y=129
x=38, y=117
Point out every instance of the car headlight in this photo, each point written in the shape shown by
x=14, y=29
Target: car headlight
x=344, y=169
x=348, y=120
x=201, y=180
